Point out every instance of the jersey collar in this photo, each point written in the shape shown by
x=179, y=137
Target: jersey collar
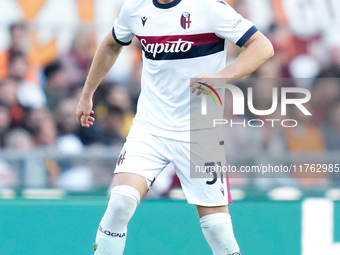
x=166, y=6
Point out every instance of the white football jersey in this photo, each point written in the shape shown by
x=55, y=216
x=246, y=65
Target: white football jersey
x=180, y=40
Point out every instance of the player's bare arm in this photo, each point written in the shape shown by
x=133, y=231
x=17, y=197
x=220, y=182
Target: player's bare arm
x=258, y=49
x=104, y=59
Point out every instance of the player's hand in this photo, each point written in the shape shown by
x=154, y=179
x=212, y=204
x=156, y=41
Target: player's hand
x=205, y=82
x=83, y=112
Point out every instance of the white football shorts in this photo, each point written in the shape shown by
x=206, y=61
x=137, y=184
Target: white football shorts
x=147, y=155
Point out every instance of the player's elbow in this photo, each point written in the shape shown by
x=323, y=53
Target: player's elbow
x=265, y=48
x=268, y=49
x=261, y=45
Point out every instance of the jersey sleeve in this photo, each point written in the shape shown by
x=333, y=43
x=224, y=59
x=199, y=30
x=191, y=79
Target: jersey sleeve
x=228, y=24
x=121, y=31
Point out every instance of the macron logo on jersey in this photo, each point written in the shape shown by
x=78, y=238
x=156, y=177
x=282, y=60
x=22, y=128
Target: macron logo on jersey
x=180, y=46
x=143, y=20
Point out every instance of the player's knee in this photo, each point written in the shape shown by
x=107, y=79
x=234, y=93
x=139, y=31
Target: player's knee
x=125, y=190
x=123, y=202
x=121, y=208
x=123, y=198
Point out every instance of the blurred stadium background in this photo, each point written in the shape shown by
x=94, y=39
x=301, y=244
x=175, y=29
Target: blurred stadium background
x=54, y=175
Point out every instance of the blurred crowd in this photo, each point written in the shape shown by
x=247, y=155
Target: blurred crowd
x=38, y=98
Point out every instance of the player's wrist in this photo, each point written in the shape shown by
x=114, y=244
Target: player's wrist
x=87, y=93
x=225, y=77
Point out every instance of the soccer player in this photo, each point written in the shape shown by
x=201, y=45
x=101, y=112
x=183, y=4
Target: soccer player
x=181, y=39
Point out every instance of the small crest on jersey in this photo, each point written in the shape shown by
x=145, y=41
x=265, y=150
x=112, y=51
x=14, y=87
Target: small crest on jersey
x=185, y=20
x=143, y=20
x=121, y=158
x=222, y=2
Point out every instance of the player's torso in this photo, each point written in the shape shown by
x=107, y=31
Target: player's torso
x=178, y=43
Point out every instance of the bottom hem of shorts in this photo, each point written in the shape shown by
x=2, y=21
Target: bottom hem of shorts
x=149, y=178
x=208, y=204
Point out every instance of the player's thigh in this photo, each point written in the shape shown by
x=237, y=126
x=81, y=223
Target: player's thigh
x=205, y=210
x=134, y=180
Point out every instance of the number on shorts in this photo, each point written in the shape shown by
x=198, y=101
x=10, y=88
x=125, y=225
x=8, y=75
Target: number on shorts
x=210, y=165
